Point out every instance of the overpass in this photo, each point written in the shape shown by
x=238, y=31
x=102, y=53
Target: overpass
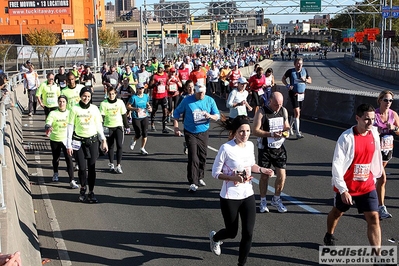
x=265, y=38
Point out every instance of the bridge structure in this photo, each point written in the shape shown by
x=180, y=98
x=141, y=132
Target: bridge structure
x=264, y=38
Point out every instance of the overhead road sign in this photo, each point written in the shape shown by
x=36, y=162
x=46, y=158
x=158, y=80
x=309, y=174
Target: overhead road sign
x=386, y=12
x=310, y=6
x=242, y=25
x=395, y=11
x=196, y=34
x=372, y=31
x=223, y=26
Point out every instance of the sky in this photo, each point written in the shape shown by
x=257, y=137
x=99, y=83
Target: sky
x=276, y=19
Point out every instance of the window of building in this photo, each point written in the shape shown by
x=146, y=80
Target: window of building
x=154, y=32
x=6, y=10
x=132, y=33
x=122, y=33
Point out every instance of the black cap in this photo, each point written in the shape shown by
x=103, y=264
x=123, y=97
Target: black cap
x=27, y=61
x=85, y=89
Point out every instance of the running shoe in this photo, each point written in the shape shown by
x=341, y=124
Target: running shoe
x=383, y=213
x=168, y=119
x=165, y=131
x=73, y=184
x=202, y=183
x=76, y=167
x=263, y=206
x=185, y=150
x=279, y=205
x=91, y=198
x=193, y=188
x=153, y=129
x=55, y=177
x=118, y=169
x=329, y=240
x=82, y=196
x=132, y=144
x=299, y=135
x=143, y=151
x=111, y=167
x=214, y=245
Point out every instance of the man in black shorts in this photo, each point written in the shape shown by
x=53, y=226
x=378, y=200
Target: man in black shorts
x=298, y=77
x=271, y=127
x=356, y=162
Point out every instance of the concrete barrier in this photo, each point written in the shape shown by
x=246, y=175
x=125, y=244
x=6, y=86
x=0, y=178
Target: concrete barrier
x=18, y=227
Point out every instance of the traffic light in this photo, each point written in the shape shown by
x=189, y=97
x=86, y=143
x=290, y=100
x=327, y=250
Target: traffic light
x=183, y=27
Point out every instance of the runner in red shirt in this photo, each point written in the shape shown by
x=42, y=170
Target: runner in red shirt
x=256, y=84
x=197, y=75
x=159, y=96
x=357, y=161
x=174, y=88
x=184, y=73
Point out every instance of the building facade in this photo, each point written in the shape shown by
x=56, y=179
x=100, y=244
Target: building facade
x=65, y=17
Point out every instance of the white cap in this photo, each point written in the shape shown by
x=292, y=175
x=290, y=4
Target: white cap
x=242, y=80
x=199, y=88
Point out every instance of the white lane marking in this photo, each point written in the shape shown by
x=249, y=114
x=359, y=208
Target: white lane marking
x=271, y=189
x=55, y=227
x=285, y=196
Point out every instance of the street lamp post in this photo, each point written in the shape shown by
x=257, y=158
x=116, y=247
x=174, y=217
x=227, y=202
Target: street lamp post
x=22, y=40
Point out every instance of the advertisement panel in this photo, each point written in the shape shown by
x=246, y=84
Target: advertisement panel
x=43, y=7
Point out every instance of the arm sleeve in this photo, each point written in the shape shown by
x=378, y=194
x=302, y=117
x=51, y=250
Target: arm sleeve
x=70, y=129
x=232, y=95
x=218, y=163
x=339, y=164
x=125, y=123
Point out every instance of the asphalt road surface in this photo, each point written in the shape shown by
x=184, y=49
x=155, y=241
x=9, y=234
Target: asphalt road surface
x=146, y=216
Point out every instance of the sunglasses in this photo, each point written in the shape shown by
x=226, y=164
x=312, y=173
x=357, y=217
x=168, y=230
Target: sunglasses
x=388, y=100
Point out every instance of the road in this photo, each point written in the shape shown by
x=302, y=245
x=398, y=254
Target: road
x=146, y=216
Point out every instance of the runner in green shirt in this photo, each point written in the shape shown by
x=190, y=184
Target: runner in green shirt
x=72, y=91
x=114, y=112
x=56, y=126
x=83, y=134
x=47, y=94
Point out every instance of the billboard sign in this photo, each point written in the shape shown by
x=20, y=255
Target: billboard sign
x=239, y=25
x=46, y=7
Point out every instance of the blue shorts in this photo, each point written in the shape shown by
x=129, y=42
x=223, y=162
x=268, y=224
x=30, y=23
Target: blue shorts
x=365, y=203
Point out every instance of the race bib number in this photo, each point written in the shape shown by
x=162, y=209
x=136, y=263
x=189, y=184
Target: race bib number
x=62, y=84
x=301, y=97
x=173, y=87
x=387, y=143
x=106, y=131
x=51, y=101
x=361, y=172
x=201, y=81
x=183, y=81
x=260, y=92
x=113, y=81
x=88, y=83
x=161, y=89
x=242, y=110
x=199, y=117
x=76, y=144
x=141, y=113
x=226, y=83
x=276, y=124
x=125, y=94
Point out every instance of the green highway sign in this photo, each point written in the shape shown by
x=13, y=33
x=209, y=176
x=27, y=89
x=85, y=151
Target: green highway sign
x=310, y=6
x=223, y=26
x=196, y=34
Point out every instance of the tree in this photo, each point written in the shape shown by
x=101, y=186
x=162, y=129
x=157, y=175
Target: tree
x=108, y=39
x=42, y=41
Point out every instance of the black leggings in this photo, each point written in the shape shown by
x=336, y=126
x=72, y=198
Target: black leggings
x=115, y=135
x=140, y=126
x=56, y=148
x=87, y=177
x=230, y=210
